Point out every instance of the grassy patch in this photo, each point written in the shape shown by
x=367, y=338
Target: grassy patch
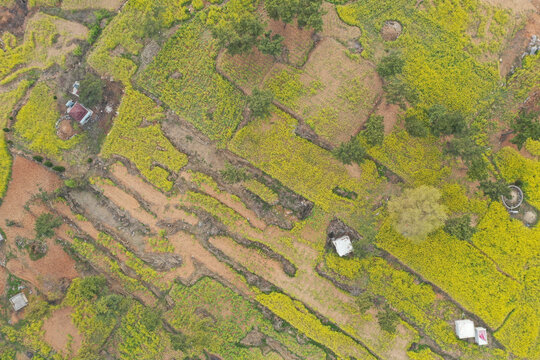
x=183, y=75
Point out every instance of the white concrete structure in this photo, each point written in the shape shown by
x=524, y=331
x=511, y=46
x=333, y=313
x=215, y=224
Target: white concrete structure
x=480, y=336
x=343, y=245
x=18, y=301
x=464, y=329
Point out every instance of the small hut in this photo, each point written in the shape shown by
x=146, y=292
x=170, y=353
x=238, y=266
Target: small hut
x=18, y=301
x=343, y=245
x=465, y=329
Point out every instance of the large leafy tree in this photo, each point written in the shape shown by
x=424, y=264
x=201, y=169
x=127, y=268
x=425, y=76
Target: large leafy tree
x=259, y=102
x=526, y=125
x=239, y=34
x=417, y=212
x=444, y=122
x=91, y=90
x=307, y=12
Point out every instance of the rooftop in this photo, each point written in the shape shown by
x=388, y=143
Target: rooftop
x=464, y=329
x=18, y=301
x=79, y=113
x=343, y=245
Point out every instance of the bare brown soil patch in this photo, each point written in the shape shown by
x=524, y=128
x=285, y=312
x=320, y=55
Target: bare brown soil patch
x=163, y=206
x=515, y=5
x=91, y=4
x=61, y=333
x=51, y=272
x=390, y=112
x=12, y=19
x=297, y=42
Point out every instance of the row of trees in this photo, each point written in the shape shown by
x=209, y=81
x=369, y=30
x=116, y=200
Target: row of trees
x=239, y=28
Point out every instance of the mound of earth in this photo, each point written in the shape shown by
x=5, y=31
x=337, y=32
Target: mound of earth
x=65, y=130
x=391, y=30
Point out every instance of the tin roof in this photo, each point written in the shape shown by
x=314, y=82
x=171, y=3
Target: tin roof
x=18, y=301
x=78, y=112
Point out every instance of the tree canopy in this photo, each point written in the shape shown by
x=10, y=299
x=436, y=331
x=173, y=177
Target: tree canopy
x=417, y=212
x=307, y=12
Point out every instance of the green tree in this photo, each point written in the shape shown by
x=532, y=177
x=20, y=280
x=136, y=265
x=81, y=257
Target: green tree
x=397, y=92
x=388, y=320
x=444, y=122
x=415, y=126
x=460, y=227
x=260, y=102
x=417, y=212
x=307, y=12
x=390, y=65
x=374, y=131
x=45, y=225
x=350, y=151
x=91, y=90
x=271, y=44
x=238, y=34
x=526, y=125
x=495, y=189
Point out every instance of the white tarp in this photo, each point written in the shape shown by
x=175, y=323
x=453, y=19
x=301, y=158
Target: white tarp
x=343, y=245
x=464, y=329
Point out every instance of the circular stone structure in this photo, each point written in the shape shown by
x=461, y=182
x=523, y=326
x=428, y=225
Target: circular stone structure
x=515, y=199
x=391, y=30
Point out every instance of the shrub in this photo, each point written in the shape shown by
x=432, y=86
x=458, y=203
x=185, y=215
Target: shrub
x=388, y=320
x=48, y=163
x=494, y=189
x=349, y=152
x=71, y=183
x=6, y=129
x=390, y=65
x=59, y=168
x=415, y=126
x=232, y=174
x=260, y=101
x=91, y=90
x=460, y=227
x=45, y=225
x=38, y=158
x=443, y=122
x=374, y=132
x=78, y=51
x=526, y=126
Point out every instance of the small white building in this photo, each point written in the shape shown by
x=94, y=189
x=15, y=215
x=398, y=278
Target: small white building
x=343, y=245
x=480, y=336
x=465, y=329
x=18, y=301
